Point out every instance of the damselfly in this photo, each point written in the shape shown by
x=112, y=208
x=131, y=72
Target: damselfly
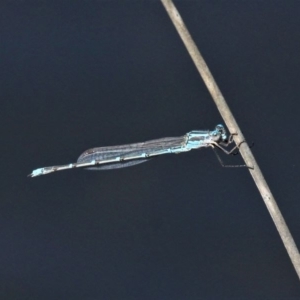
x=114, y=157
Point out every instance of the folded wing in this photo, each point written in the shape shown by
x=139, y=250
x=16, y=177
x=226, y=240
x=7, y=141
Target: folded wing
x=130, y=150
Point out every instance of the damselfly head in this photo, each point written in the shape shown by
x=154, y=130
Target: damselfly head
x=220, y=133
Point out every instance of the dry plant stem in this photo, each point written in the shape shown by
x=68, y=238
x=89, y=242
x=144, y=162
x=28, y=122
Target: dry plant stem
x=233, y=127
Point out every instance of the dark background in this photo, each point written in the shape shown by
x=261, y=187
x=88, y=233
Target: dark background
x=80, y=74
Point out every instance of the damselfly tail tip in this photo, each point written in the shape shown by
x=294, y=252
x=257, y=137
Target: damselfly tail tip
x=36, y=172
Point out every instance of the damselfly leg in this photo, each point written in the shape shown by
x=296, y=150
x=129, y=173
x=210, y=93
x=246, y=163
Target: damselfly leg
x=232, y=152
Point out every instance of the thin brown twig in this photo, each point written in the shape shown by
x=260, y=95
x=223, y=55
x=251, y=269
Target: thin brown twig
x=233, y=127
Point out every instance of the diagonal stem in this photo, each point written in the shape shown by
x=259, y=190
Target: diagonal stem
x=232, y=125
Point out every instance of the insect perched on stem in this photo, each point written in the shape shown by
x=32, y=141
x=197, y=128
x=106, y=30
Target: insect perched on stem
x=113, y=157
